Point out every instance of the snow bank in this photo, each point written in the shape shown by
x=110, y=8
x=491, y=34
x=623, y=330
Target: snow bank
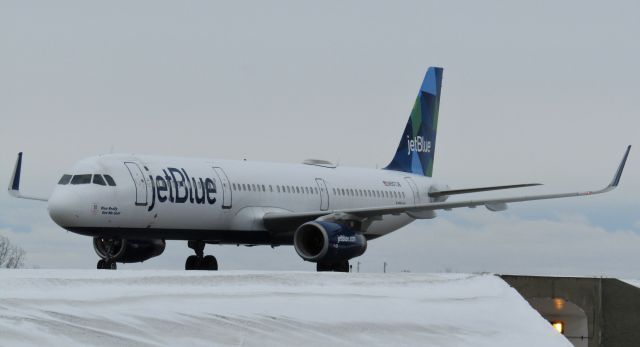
x=176, y=308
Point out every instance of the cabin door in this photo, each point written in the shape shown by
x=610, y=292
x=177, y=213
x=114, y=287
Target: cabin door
x=226, y=187
x=414, y=190
x=324, y=194
x=139, y=182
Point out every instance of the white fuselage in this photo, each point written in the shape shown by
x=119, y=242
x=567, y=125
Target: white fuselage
x=221, y=201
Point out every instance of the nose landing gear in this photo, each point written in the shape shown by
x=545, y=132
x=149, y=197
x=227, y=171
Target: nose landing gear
x=106, y=249
x=200, y=261
x=106, y=264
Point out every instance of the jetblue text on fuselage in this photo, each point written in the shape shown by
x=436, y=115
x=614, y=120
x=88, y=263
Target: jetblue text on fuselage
x=418, y=144
x=176, y=186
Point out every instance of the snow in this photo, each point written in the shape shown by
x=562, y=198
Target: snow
x=179, y=308
x=633, y=282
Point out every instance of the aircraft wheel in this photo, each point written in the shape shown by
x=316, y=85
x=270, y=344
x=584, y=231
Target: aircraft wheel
x=210, y=263
x=191, y=263
x=322, y=267
x=342, y=266
x=106, y=265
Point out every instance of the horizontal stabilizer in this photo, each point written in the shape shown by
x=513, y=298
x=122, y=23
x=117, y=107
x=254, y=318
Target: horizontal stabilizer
x=440, y=193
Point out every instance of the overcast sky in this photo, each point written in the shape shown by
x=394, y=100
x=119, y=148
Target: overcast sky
x=544, y=91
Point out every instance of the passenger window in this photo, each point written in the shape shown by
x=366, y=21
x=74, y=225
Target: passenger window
x=288, y=189
x=65, y=179
x=110, y=180
x=97, y=179
x=81, y=179
x=234, y=186
x=270, y=188
x=263, y=188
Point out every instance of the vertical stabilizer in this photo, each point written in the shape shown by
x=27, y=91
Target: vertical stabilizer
x=416, y=151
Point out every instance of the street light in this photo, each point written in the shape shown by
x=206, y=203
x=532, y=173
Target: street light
x=559, y=326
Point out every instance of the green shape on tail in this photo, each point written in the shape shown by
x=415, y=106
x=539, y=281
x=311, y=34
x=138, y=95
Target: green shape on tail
x=416, y=117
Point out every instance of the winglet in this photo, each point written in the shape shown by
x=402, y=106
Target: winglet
x=14, y=184
x=616, y=179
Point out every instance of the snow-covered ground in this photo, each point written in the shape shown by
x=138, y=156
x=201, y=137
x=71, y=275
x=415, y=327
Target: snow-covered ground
x=176, y=308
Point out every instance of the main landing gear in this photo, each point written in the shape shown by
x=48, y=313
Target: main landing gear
x=340, y=266
x=200, y=261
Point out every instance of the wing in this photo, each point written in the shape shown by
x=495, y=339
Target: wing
x=440, y=193
x=287, y=222
x=14, y=184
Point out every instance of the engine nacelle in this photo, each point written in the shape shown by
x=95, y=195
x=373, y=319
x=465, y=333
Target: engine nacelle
x=320, y=241
x=128, y=251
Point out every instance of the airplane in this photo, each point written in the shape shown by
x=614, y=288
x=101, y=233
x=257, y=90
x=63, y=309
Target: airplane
x=132, y=204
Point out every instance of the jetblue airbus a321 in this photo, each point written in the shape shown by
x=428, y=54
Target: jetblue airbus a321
x=132, y=204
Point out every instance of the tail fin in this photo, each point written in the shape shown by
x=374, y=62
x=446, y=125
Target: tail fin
x=417, y=146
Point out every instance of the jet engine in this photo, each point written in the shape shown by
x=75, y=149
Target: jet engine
x=320, y=241
x=127, y=251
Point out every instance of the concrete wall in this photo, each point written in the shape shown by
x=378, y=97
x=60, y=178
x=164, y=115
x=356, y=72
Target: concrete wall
x=612, y=307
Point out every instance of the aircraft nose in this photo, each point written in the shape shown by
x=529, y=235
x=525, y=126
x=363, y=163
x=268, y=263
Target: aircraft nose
x=62, y=209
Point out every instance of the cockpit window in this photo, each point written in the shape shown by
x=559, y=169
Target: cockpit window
x=64, y=179
x=81, y=179
x=97, y=179
x=110, y=180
